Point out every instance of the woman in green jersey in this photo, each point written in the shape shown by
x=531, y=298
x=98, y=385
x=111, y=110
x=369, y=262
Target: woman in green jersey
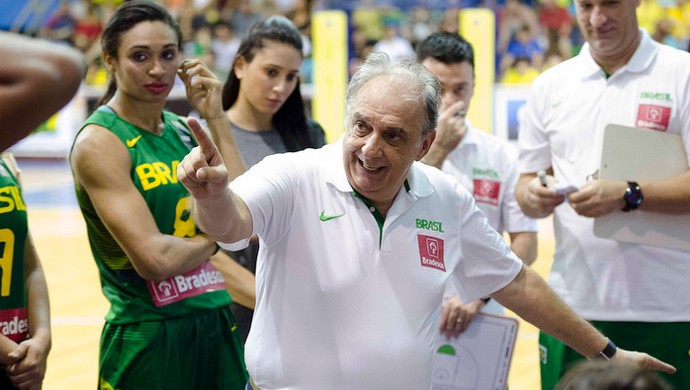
x=169, y=324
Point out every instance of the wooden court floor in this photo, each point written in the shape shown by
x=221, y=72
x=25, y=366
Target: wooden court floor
x=78, y=306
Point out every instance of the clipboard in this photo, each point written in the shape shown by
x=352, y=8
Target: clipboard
x=479, y=358
x=634, y=154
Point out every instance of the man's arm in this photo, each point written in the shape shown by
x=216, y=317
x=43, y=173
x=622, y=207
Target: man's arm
x=524, y=245
x=669, y=196
x=456, y=316
x=217, y=210
x=601, y=197
x=534, y=301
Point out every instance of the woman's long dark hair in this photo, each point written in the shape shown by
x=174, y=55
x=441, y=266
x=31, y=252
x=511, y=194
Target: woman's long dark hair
x=290, y=121
x=126, y=16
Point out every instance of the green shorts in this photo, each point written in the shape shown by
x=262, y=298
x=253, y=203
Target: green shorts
x=669, y=342
x=199, y=351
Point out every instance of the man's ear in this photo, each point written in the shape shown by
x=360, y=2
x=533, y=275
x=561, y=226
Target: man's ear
x=426, y=144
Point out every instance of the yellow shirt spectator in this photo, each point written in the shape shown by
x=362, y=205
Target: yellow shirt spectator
x=648, y=14
x=522, y=72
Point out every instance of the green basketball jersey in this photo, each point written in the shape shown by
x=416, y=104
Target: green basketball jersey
x=154, y=173
x=13, y=233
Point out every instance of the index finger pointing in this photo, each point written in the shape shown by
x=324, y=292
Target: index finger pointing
x=205, y=142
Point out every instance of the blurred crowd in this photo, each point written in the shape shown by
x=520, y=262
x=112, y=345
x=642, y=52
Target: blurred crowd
x=531, y=35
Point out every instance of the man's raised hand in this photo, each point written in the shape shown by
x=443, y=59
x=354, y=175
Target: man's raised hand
x=202, y=171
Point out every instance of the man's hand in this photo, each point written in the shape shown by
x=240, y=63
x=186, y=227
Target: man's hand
x=29, y=368
x=450, y=130
x=456, y=316
x=598, y=198
x=536, y=200
x=642, y=360
x=202, y=171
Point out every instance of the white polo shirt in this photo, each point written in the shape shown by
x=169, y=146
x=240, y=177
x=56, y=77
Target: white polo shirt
x=566, y=112
x=487, y=166
x=343, y=303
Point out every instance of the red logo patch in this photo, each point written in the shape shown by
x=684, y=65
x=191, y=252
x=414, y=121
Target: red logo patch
x=431, y=252
x=653, y=117
x=15, y=324
x=486, y=191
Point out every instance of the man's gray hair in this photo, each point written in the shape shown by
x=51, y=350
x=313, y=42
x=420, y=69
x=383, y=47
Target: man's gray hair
x=418, y=81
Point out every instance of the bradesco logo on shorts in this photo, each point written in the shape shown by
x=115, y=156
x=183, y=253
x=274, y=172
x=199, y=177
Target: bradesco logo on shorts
x=431, y=248
x=200, y=280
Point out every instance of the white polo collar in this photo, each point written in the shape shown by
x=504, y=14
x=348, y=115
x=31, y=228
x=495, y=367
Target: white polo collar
x=642, y=58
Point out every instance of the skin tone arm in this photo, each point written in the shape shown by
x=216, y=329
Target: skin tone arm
x=524, y=245
x=531, y=298
x=30, y=357
x=217, y=210
x=101, y=165
x=456, y=316
x=239, y=281
x=601, y=197
x=6, y=347
x=37, y=78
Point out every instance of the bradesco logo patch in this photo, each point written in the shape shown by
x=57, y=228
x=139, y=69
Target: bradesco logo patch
x=200, y=280
x=486, y=191
x=653, y=117
x=431, y=252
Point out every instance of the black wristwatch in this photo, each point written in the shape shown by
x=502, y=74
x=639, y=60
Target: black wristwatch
x=633, y=196
x=608, y=352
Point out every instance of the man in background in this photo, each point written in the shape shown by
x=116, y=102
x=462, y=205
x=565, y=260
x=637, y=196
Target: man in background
x=484, y=164
x=638, y=295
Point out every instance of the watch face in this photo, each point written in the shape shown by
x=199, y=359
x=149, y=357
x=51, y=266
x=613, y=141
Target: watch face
x=634, y=197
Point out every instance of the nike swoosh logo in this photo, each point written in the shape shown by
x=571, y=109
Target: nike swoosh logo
x=329, y=217
x=133, y=141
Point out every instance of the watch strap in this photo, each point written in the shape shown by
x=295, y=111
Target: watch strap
x=608, y=352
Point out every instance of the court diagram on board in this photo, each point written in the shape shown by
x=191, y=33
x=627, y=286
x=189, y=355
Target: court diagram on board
x=479, y=358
